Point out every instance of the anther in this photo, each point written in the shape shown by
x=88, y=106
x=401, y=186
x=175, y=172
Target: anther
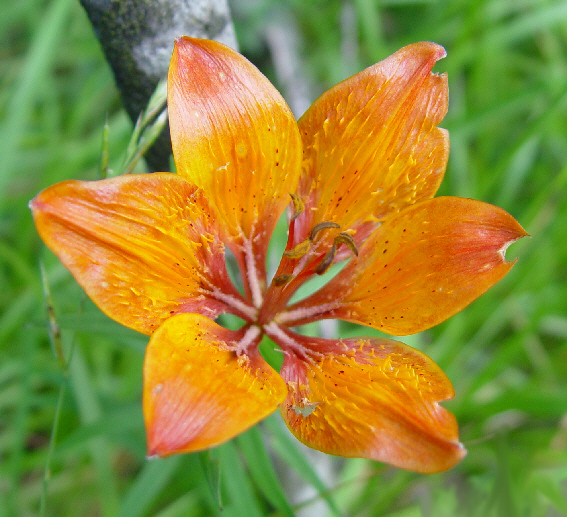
x=298, y=251
x=282, y=280
x=322, y=226
x=347, y=240
x=298, y=206
x=327, y=260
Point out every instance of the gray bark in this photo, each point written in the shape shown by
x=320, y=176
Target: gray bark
x=137, y=38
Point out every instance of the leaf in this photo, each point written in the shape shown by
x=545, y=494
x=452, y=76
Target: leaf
x=147, y=486
x=288, y=450
x=262, y=470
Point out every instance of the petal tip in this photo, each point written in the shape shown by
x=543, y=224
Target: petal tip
x=456, y=455
x=182, y=43
x=504, y=248
x=513, y=232
x=156, y=447
x=38, y=203
x=460, y=452
x=450, y=454
x=186, y=45
x=428, y=50
x=438, y=51
x=518, y=229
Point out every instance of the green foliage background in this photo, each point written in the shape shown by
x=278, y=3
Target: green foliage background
x=506, y=354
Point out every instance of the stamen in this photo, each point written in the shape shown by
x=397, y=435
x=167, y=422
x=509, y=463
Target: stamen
x=341, y=238
x=282, y=279
x=322, y=226
x=298, y=206
x=299, y=251
x=327, y=260
x=347, y=240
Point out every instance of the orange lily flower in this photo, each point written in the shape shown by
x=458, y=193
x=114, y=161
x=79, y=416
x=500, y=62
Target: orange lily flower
x=362, y=166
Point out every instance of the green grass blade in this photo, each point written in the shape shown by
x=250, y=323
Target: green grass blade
x=262, y=470
x=243, y=500
x=287, y=449
x=148, y=485
x=42, y=51
x=211, y=464
x=99, y=449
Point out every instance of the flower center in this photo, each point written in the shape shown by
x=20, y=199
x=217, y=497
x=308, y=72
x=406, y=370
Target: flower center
x=313, y=256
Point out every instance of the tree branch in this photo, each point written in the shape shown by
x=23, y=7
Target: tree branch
x=137, y=38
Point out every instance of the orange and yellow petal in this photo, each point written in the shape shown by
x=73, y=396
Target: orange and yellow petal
x=371, y=143
x=143, y=247
x=421, y=266
x=233, y=135
x=375, y=399
x=198, y=392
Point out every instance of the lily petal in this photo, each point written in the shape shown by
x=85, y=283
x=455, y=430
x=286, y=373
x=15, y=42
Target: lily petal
x=234, y=136
x=143, y=247
x=372, y=398
x=197, y=392
x=420, y=267
x=371, y=145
